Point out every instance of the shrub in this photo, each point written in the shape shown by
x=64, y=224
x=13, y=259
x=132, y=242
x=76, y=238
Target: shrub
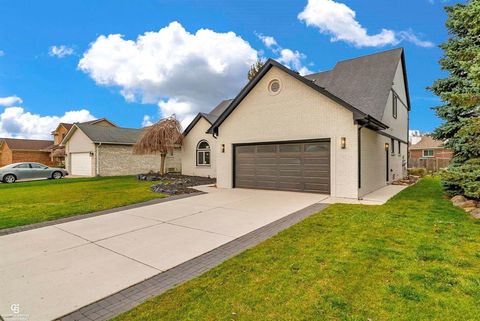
x=463, y=179
x=417, y=171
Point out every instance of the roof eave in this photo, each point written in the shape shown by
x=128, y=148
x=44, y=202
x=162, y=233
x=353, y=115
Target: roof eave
x=194, y=122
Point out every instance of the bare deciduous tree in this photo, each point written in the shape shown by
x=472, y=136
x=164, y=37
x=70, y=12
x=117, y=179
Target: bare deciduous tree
x=160, y=138
x=252, y=72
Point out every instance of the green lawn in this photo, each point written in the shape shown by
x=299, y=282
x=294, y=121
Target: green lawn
x=32, y=202
x=414, y=258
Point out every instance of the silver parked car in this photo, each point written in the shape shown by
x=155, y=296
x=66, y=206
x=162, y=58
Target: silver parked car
x=13, y=172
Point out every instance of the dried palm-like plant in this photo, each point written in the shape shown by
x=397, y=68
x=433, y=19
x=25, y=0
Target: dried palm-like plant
x=160, y=138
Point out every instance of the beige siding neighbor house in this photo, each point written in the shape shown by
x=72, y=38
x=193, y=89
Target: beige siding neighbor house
x=341, y=132
x=108, y=151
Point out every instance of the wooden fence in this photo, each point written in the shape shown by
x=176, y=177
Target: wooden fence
x=431, y=164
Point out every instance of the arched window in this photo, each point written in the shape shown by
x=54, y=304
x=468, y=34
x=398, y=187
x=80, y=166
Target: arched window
x=203, y=153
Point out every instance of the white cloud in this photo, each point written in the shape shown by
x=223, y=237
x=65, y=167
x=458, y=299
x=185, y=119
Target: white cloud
x=182, y=72
x=268, y=41
x=10, y=101
x=411, y=37
x=291, y=58
x=60, y=51
x=339, y=21
x=16, y=122
x=147, y=121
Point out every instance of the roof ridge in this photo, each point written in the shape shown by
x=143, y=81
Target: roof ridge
x=368, y=55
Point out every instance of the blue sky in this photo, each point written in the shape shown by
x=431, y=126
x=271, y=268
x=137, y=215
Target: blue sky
x=42, y=44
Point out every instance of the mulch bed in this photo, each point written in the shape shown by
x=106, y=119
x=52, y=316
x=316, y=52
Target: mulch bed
x=174, y=183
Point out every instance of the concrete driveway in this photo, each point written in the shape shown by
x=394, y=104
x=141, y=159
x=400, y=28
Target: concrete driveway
x=54, y=270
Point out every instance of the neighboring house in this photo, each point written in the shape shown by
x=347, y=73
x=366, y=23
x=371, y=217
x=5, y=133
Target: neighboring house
x=429, y=153
x=108, y=151
x=57, y=155
x=13, y=150
x=342, y=132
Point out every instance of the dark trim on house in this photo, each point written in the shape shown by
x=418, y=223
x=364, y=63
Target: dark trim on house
x=387, y=156
x=194, y=122
x=357, y=114
x=405, y=79
x=359, y=162
x=392, y=137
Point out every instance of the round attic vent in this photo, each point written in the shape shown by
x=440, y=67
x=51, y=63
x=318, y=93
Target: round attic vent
x=274, y=86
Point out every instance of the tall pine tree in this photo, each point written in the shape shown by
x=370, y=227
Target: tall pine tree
x=460, y=92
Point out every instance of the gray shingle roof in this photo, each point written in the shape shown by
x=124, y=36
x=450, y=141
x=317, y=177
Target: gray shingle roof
x=210, y=117
x=363, y=82
x=112, y=135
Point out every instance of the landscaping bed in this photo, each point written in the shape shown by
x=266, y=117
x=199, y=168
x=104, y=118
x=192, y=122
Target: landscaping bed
x=175, y=183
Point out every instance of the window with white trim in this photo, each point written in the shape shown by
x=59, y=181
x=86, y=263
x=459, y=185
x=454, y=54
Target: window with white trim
x=203, y=153
x=428, y=153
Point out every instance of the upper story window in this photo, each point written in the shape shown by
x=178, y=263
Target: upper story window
x=203, y=153
x=394, y=105
x=428, y=153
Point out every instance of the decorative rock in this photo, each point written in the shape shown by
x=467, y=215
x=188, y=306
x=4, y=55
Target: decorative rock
x=469, y=209
x=467, y=204
x=475, y=213
x=458, y=199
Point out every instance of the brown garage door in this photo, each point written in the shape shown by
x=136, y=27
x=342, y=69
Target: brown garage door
x=299, y=166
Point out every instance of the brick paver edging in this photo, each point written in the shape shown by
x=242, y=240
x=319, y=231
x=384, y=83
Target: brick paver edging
x=134, y=295
x=28, y=227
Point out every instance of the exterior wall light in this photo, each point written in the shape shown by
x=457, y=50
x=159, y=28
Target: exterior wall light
x=343, y=142
x=223, y=148
x=387, y=146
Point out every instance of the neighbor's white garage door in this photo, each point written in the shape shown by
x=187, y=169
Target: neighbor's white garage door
x=81, y=164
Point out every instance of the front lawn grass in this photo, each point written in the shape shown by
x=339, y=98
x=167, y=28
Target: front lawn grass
x=414, y=258
x=32, y=202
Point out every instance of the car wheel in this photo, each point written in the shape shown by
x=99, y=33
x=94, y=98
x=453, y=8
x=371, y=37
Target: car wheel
x=57, y=175
x=9, y=179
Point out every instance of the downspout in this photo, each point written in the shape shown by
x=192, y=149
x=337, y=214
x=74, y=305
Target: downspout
x=97, y=160
x=359, y=160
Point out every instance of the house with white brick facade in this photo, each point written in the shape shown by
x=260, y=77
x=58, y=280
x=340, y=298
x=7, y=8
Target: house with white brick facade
x=342, y=132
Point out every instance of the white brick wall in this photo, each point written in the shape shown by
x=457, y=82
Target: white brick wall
x=297, y=112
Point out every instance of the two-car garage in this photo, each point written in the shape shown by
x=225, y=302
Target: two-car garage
x=302, y=166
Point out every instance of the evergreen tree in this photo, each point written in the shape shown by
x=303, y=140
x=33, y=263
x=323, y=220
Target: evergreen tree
x=460, y=92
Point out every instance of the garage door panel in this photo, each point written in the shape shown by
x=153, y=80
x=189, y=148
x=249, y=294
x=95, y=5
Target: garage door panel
x=284, y=166
x=81, y=164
